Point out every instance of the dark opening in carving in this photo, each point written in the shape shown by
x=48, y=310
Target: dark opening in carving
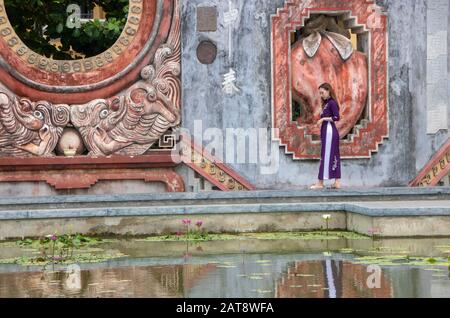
x=68, y=29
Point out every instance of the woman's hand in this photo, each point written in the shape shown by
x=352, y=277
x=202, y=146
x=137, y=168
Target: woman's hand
x=320, y=121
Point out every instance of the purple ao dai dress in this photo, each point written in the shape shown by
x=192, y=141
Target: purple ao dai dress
x=330, y=162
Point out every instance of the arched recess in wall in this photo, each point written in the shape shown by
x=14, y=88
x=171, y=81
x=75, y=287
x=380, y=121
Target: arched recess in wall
x=341, y=42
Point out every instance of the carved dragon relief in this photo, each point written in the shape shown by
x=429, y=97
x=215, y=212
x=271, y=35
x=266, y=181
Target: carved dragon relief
x=30, y=128
x=128, y=124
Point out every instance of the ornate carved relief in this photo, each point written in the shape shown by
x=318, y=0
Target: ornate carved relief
x=85, y=179
x=27, y=73
x=211, y=168
x=32, y=59
x=324, y=53
x=435, y=170
x=28, y=128
x=128, y=124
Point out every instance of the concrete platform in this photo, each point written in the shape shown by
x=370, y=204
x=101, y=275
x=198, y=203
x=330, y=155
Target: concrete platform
x=389, y=212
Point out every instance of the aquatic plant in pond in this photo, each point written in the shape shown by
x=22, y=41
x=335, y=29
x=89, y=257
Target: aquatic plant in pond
x=205, y=236
x=196, y=234
x=374, y=232
x=59, y=249
x=326, y=217
x=62, y=246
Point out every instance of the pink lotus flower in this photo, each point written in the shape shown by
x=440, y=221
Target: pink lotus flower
x=199, y=224
x=180, y=234
x=54, y=237
x=374, y=230
x=186, y=221
x=187, y=255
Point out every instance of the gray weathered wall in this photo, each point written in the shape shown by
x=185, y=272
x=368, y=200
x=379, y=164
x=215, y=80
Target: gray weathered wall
x=399, y=158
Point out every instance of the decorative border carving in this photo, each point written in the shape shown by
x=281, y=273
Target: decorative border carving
x=435, y=170
x=82, y=179
x=372, y=132
x=77, y=66
x=128, y=124
x=211, y=168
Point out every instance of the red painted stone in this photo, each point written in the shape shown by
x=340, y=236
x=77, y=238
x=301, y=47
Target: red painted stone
x=427, y=176
x=348, y=78
x=88, y=78
x=82, y=179
x=296, y=138
x=190, y=143
x=83, y=171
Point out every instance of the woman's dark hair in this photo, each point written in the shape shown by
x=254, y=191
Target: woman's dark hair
x=330, y=89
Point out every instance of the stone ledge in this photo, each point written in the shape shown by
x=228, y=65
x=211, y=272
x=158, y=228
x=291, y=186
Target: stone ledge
x=442, y=208
x=171, y=198
x=431, y=219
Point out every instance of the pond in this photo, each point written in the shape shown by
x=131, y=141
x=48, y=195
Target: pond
x=249, y=267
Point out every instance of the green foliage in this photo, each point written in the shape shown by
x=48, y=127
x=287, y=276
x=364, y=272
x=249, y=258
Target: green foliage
x=195, y=237
x=39, y=22
x=202, y=235
x=296, y=110
x=56, y=249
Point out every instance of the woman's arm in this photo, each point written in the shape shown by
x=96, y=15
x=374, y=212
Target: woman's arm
x=330, y=119
x=334, y=112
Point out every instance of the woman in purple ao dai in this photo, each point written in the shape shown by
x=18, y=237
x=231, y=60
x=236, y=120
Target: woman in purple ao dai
x=330, y=159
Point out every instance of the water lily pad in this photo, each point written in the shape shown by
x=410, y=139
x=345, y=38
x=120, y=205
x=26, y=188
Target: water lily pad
x=256, y=277
x=226, y=266
x=261, y=274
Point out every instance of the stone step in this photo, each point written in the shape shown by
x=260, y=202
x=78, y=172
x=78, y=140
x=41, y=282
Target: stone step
x=225, y=198
x=372, y=209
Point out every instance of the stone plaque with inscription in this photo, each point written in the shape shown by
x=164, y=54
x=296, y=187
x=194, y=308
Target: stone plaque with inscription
x=206, y=19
